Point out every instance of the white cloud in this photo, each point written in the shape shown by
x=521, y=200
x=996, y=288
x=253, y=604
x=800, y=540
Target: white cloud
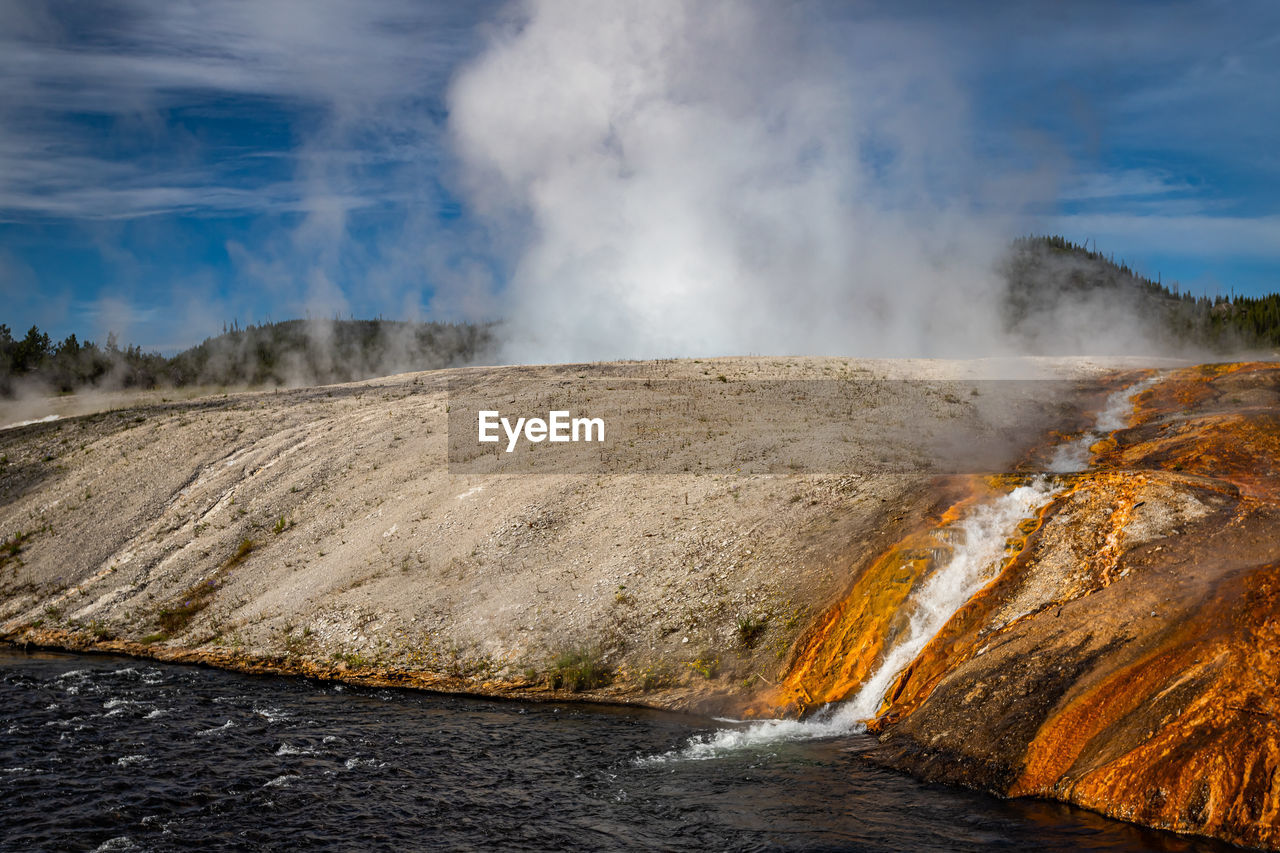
x=1124, y=184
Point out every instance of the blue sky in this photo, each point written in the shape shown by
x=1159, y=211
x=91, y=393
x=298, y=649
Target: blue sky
x=167, y=167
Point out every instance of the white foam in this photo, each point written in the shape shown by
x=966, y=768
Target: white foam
x=46, y=419
x=272, y=715
x=286, y=749
x=1119, y=406
x=973, y=563
x=115, y=707
x=1071, y=457
x=724, y=742
x=979, y=540
x=354, y=763
x=283, y=781
x=229, y=724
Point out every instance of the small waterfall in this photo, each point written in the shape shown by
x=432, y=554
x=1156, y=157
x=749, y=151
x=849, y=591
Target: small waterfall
x=974, y=561
x=980, y=538
x=978, y=543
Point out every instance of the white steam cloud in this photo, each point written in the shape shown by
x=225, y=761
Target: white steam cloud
x=724, y=177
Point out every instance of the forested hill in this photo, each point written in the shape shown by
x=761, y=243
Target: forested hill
x=1059, y=298
x=293, y=352
x=1052, y=282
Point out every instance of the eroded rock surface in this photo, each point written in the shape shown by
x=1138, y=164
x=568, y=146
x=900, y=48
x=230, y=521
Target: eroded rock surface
x=320, y=530
x=1126, y=656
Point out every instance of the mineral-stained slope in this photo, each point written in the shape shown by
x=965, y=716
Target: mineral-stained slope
x=319, y=530
x=1127, y=656
x=1123, y=654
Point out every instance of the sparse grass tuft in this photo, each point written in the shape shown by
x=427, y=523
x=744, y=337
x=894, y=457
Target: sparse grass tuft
x=172, y=620
x=355, y=660
x=580, y=669
x=657, y=675
x=11, y=547
x=298, y=644
x=243, y=550
x=750, y=629
x=175, y=618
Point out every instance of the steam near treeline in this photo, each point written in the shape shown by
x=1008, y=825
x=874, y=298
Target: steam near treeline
x=289, y=353
x=1059, y=298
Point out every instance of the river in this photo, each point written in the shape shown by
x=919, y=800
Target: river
x=110, y=753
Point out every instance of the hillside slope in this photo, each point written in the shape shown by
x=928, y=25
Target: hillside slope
x=320, y=530
x=1120, y=656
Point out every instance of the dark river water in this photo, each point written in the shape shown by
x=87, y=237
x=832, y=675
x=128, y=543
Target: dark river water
x=105, y=753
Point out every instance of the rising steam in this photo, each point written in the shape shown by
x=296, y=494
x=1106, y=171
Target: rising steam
x=722, y=178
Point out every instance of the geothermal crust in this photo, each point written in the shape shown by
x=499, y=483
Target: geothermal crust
x=320, y=530
x=1127, y=659
x=1123, y=657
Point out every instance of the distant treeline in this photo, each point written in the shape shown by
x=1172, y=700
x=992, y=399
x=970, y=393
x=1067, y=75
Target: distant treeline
x=1049, y=276
x=293, y=352
x=1059, y=297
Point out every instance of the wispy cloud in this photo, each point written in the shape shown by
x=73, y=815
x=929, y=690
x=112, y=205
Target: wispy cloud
x=84, y=88
x=1129, y=184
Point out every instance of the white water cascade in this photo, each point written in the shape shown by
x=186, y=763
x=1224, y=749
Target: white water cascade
x=1073, y=456
x=980, y=540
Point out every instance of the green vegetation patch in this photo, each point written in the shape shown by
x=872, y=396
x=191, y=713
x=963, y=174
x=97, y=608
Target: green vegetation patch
x=11, y=547
x=175, y=618
x=579, y=669
x=750, y=629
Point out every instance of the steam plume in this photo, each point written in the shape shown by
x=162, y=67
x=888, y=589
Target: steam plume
x=719, y=178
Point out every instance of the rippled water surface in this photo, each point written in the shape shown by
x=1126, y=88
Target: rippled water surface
x=102, y=753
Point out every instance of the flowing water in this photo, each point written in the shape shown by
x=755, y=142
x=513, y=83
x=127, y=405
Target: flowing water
x=1073, y=456
x=976, y=556
x=105, y=753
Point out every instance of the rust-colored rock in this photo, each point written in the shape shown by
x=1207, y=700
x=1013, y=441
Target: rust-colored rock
x=841, y=650
x=1127, y=657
